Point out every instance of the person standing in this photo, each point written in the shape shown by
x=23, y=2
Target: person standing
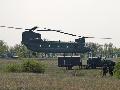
x=104, y=69
x=111, y=68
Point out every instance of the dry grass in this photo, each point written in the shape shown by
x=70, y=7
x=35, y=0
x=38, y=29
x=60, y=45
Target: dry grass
x=57, y=79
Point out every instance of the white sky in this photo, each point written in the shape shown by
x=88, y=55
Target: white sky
x=98, y=18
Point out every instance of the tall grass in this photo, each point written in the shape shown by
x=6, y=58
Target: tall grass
x=56, y=78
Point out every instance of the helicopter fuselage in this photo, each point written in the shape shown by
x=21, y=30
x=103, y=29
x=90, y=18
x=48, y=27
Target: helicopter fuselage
x=34, y=42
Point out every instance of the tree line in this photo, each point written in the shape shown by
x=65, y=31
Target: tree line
x=106, y=50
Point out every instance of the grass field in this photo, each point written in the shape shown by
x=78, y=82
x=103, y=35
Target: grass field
x=56, y=78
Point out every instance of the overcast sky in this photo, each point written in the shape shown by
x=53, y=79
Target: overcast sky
x=98, y=18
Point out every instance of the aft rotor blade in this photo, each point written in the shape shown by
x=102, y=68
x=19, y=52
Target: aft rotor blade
x=88, y=37
x=106, y=38
x=96, y=37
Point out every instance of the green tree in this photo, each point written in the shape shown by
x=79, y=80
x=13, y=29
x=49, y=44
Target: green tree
x=96, y=49
x=110, y=50
x=20, y=50
x=3, y=47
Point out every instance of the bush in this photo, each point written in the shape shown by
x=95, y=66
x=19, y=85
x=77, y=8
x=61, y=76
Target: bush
x=33, y=66
x=26, y=66
x=13, y=68
x=117, y=70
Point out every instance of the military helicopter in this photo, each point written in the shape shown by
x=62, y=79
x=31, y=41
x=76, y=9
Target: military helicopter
x=33, y=41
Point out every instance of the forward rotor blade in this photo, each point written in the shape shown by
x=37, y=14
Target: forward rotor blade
x=10, y=27
x=66, y=33
x=49, y=30
x=32, y=29
x=46, y=30
x=27, y=29
x=61, y=32
x=18, y=28
x=2, y=26
x=72, y=34
x=43, y=30
x=58, y=31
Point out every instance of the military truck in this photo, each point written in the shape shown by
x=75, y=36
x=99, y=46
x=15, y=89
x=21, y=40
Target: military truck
x=94, y=62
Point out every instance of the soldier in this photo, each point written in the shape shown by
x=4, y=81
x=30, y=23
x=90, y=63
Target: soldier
x=111, y=68
x=105, y=69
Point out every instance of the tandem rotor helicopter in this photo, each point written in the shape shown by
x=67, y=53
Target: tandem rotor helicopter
x=33, y=41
